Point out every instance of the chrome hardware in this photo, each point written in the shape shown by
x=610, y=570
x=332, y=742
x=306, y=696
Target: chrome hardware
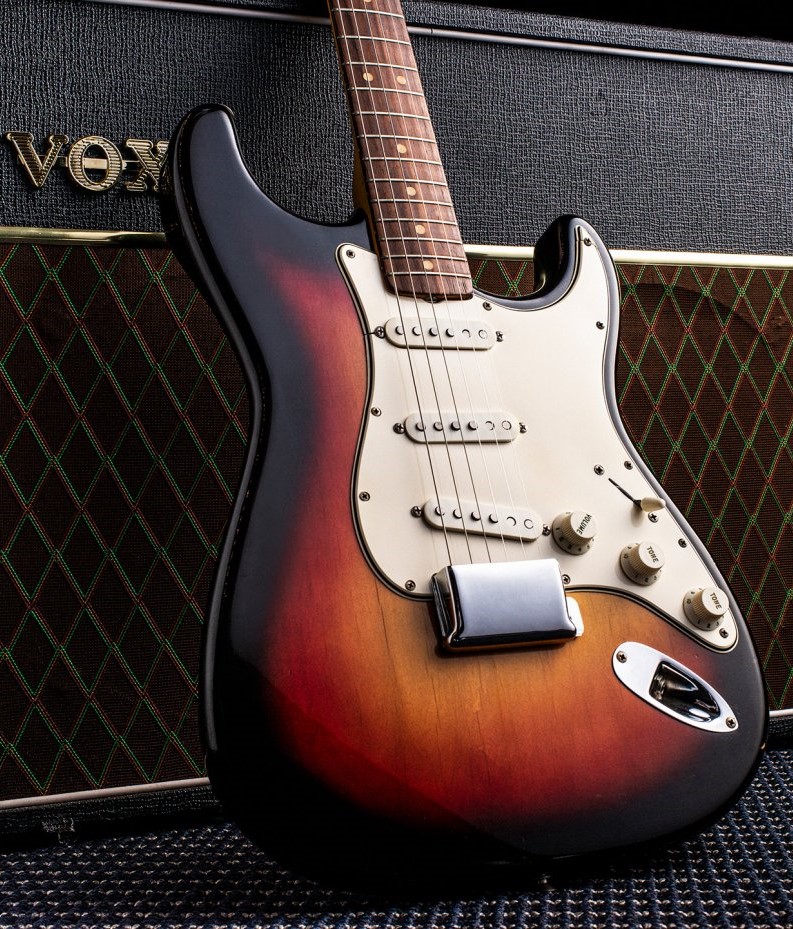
x=647, y=504
x=672, y=688
x=504, y=604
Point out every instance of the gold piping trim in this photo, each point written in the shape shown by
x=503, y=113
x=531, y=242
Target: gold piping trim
x=102, y=793
x=81, y=236
x=620, y=255
x=648, y=256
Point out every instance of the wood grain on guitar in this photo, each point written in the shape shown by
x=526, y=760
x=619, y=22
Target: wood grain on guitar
x=347, y=726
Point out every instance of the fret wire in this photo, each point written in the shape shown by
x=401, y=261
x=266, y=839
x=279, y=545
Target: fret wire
x=407, y=180
x=392, y=113
x=429, y=274
x=384, y=64
x=403, y=138
x=413, y=200
x=389, y=90
x=347, y=9
x=418, y=161
x=413, y=220
x=406, y=255
x=373, y=38
x=410, y=259
x=418, y=238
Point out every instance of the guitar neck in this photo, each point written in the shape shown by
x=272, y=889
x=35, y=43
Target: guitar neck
x=407, y=197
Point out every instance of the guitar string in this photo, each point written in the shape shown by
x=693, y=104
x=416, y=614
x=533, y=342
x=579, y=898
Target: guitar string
x=478, y=365
x=390, y=180
x=514, y=456
x=498, y=532
x=342, y=36
x=458, y=354
x=428, y=352
x=516, y=462
x=443, y=350
x=499, y=451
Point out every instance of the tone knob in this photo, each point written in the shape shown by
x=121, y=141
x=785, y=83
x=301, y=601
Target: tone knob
x=574, y=531
x=705, y=607
x=642, y=562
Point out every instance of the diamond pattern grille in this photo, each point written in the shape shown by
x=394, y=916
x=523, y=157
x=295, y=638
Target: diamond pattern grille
x=705, y=387
x=123, y=422
x=123, y=425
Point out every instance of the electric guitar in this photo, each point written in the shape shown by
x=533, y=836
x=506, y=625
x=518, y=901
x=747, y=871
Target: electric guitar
x=456, y=623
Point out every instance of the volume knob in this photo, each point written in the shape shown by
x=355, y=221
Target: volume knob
x=574, y=531
x=641, y=562
x=705, y=607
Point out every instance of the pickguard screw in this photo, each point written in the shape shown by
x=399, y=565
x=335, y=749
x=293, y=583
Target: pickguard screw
x=487, y=306
x=380, y=332
x=546, y=529
x=724, y=634
x=410, y=585
x=376, y=411
x=682, y=543
x=600, y=324
x=364, y=495
x=415, y=511
x=499, y=336
x=622, y=657
x=629, y=465
x=399, y=428
x=565, y=578
x=350, y=253
x=599, y=469
x=523, y=428
x=653, y=517
x=731, y=723
x=587, y=241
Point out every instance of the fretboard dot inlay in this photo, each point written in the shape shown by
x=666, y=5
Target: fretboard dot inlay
x=421, y=251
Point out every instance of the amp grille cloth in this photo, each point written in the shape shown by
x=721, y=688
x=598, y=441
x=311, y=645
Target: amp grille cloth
x=123, y=423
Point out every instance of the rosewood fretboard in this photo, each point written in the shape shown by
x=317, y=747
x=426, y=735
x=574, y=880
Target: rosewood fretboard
x=408, y=201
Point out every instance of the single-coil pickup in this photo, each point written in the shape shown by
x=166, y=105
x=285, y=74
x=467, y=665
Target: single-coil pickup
x=450, y=334
x=501, y=522
x=462, y=426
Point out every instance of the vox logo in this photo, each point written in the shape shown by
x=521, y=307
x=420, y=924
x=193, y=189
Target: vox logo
x=92, y=162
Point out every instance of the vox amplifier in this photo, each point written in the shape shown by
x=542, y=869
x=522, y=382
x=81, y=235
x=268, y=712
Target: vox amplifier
x=124, y=416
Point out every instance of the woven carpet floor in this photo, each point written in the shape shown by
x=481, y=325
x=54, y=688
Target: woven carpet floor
x=737, y=874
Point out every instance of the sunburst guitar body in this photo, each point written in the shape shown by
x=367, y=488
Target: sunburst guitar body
x=456, y=622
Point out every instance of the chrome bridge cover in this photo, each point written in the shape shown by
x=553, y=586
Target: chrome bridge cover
x=504, y=604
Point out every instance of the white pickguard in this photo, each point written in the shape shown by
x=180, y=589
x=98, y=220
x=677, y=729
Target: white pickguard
x=547, y=369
